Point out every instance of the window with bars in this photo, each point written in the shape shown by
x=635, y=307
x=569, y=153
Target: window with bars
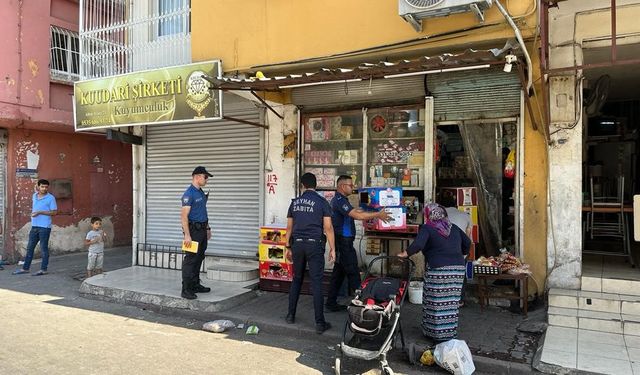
x=64, y=55
x=173, y=17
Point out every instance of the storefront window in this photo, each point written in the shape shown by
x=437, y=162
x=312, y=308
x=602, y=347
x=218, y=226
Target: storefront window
x=395, y=147
x=333, y=147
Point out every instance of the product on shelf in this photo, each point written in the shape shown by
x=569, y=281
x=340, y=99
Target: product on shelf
x=375, y=197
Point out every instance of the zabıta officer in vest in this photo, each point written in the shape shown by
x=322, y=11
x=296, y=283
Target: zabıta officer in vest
x=345, y=230
x=308, y=224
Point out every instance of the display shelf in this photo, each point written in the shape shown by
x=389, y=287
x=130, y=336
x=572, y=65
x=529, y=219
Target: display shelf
x=333, y=140
x=331, y=165
x=418, y=138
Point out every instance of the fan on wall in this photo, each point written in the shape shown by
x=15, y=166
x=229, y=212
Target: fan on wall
x=597, y=96
x=422, y=4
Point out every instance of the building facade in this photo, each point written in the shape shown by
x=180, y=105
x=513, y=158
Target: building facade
x=456, y=91
x=89, y=175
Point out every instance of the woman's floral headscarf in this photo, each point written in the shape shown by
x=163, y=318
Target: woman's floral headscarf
x=436, y=217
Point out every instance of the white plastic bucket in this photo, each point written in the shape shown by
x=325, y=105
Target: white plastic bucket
x=415, y=292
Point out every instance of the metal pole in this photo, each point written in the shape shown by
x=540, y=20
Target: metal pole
x=614, y=45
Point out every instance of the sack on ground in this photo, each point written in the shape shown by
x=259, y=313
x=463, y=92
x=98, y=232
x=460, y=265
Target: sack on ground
x=455, y=357
x=218, y=326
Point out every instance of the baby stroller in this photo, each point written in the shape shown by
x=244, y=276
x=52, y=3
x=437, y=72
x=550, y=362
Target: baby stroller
x=373, y=322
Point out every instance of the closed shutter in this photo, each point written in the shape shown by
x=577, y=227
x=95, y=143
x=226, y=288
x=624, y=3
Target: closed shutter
x=474, y=94
x=231, y=152
x=465, y=95
x=381, y=91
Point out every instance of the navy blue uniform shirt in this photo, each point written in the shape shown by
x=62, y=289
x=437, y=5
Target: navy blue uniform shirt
x=197, y=200
x=343, y=224
x=440, y=251
x=308, y=212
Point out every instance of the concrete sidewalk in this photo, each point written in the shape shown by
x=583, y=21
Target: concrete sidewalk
x=492, y=335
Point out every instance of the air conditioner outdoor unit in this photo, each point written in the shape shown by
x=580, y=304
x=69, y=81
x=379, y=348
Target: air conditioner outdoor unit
x=414, y=11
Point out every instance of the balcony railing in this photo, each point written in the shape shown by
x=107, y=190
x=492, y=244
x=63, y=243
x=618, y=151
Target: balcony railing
x=123, y=36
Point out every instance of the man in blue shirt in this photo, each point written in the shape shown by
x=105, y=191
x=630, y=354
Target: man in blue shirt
x=42, y=209
x=345, y=229
x=195, y=226
x=308, y=217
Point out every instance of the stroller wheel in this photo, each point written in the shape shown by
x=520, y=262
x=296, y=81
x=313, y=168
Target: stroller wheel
x=386, y=370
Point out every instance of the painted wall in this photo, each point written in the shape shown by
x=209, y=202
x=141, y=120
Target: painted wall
x=38, y=116
x=100, y=186
x=288, y=30
x=279, y=31
x=25, y=92
x=574, y=25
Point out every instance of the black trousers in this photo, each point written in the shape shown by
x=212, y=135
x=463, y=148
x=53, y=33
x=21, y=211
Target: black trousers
x=311, y=252
x=193, y=261
x=346, y=266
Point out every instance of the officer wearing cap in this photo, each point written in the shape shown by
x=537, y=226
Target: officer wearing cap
x=195, y=226
x=308, y=217
x=345, y=229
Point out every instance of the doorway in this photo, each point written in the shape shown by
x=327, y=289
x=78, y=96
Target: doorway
x=480, y=160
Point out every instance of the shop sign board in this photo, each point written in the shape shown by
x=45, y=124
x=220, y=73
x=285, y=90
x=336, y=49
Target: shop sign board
x=159, y=96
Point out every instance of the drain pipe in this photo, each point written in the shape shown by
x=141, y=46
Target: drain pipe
x=521, y=42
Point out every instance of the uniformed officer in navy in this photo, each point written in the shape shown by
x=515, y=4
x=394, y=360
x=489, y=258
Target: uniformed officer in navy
x=308, y=218
x=195, y=226
x=345, y=231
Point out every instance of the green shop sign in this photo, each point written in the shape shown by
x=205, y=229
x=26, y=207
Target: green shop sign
x=159, y=96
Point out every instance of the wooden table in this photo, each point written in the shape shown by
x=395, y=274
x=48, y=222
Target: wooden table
x=484, y=295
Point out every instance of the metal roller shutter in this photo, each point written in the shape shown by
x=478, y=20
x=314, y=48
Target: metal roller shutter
x=231, y=152
x=474, y=94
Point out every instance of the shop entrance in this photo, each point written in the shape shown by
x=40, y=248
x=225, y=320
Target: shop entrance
x=476, y=171
x=611, y=114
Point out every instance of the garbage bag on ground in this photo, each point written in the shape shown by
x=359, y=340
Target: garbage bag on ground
x=455, y=357
x=218, y=326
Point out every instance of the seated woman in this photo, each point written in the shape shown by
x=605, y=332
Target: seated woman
x=444, y=246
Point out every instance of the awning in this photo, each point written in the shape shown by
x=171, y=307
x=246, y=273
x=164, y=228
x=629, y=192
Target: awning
x=470, y=59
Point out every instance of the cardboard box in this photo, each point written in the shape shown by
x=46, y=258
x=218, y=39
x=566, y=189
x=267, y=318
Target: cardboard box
x=376, y=197
x=472, y=211
x=398, y=220
x=271, y=253
x=272, y=235
x=317, y=129
x=276, y=270
x=463, y=196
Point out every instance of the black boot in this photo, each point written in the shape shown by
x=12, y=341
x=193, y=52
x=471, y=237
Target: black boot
x=187, y=291
x=199, y=288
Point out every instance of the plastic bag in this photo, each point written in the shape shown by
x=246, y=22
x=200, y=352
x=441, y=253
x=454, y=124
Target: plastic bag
x=510, y=165
x=455, y=357
x=218, y=326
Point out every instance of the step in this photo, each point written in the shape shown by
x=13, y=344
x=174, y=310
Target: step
x=226, y=272
x=595, y=301
x=594, y=321
x=610, y=285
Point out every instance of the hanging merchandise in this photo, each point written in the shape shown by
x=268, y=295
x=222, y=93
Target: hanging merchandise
x=510, y=165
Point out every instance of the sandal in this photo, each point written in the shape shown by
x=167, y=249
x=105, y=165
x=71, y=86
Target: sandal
x=19, y=272
x=39, y=273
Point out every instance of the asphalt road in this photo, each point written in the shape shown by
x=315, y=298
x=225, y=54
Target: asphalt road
x=45, y=327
